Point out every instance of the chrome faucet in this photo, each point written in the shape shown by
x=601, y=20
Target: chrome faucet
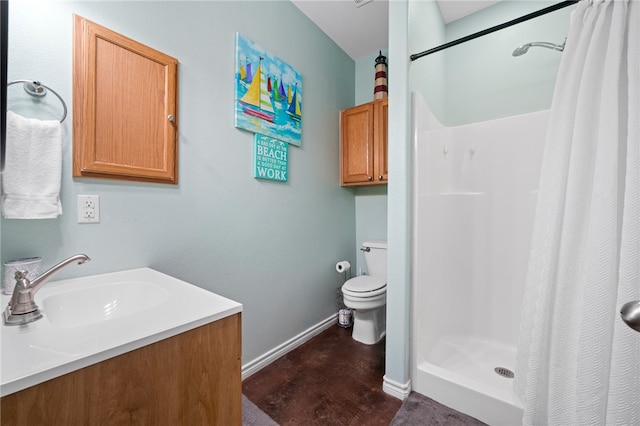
x=22, y=308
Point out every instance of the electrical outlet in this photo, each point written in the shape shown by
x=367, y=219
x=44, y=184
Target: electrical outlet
x=88, y=208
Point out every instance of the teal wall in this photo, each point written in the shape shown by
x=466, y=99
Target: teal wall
x=397, y=379
x=480, y=80
x=371, y=201
x=428, y=74
x=484, y=81
x=270, y=246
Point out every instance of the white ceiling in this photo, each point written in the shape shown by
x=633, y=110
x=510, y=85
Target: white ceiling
x=361, y=31
x=455, y=9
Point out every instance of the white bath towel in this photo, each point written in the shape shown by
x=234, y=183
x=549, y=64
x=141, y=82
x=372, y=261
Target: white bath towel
x=33, y=168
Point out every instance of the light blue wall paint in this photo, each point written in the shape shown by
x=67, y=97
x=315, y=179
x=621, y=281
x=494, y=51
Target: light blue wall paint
x=480, y=80
x=484, y=81
x=371, y=218
x=271, y=246
x=413, y=27
x=428, y=74
x=399, y=211
x=371, y=201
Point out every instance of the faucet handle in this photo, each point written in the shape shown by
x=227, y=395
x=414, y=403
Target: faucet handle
x=22, y=299
x=21, y=274
x=22, y=282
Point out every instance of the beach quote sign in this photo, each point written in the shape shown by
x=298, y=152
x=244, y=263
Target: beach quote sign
x=271, y=158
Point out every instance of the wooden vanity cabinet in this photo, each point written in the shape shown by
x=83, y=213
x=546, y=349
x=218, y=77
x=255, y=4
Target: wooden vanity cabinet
x=363, y=144
x=192, y=378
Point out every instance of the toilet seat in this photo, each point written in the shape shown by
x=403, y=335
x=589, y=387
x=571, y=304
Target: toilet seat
x=364, y=286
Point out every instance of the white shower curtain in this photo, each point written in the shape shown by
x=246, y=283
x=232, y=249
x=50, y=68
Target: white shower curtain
x=578, y=363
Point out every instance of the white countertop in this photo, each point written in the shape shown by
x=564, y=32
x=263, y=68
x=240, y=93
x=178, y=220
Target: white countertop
x=53, y=346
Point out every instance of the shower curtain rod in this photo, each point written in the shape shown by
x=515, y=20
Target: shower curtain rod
x=532, y=15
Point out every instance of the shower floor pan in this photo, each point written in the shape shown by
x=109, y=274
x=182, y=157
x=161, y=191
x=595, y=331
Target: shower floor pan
x=460, y=372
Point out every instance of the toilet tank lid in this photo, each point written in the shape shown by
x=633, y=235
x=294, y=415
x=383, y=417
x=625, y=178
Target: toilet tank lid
x=375, y=244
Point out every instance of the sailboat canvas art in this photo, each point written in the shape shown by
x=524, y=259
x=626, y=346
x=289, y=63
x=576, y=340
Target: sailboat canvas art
x=268, y=96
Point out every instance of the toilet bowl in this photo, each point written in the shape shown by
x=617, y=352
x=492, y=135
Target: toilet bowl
x=367, y=295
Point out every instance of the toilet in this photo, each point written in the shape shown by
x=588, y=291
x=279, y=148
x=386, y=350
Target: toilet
x=367, y=294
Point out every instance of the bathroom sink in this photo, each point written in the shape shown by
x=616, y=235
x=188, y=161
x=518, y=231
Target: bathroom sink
x=90, y=319
x=86, y=306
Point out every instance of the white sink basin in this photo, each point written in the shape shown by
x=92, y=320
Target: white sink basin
x=90, y=319
x=85, y=306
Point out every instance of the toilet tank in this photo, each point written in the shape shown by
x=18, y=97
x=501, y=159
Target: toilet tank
x=376, y=258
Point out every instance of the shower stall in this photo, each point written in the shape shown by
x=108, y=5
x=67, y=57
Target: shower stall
x=476, y=167
x=474, y=202
x=494, y=296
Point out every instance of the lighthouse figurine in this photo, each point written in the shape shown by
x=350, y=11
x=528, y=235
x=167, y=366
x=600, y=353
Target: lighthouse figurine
x=380, y=85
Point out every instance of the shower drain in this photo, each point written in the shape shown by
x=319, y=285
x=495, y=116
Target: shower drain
x=504, y=372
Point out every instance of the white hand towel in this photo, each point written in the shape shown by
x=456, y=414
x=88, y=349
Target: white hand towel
x=33, y=168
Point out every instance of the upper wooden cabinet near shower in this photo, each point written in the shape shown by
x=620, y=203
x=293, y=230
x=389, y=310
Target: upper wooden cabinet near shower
x=124, y=107
x=363, y=144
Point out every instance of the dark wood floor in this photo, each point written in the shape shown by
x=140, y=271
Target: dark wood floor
x=329, y=380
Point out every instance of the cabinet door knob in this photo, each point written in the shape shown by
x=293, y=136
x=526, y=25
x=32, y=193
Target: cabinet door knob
x=379, y=177
x=171, y=118
x=370, y=177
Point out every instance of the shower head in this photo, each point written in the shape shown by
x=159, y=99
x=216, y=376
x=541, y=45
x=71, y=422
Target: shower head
x=521, y=50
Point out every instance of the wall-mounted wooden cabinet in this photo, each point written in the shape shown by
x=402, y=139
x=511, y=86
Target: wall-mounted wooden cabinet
x=124, y=107
x=363, y=144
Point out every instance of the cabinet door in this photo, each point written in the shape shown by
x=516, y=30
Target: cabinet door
x=193, y=378
x=124, y=107
x=382, y=130
x=356, y=144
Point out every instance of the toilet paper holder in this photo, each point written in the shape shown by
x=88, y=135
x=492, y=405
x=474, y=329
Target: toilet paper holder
x=343, y=266
x=345, y=315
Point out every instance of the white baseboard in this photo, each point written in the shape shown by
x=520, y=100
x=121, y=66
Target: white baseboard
x=267, y=358
x=393, y=388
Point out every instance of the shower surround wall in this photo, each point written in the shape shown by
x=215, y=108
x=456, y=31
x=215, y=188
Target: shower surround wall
x=475, y=193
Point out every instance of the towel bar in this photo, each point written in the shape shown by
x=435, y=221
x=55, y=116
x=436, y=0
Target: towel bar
x=37, y=89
